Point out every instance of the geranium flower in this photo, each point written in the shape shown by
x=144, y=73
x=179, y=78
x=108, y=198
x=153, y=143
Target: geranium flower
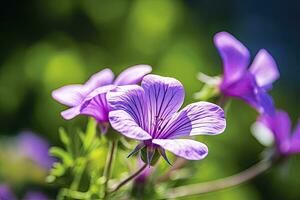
x=241, y=81
x=149, y=114
x=35, y=148
x=279, y=125
x=81, y=97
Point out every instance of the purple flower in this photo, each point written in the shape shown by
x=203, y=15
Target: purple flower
x=6, y=193
x=35, y=148
x=90, y=98
x=150, y=114
x=280, y=126
x=249, y=84
x=33, y=195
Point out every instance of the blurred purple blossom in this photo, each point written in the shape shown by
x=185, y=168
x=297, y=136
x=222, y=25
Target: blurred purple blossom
x=142, y=178
x=249, y=83
x=287, y=142
x=90, y=98
x=36, y=148
x=6, y=193
x=34, y=195
x=150, y=114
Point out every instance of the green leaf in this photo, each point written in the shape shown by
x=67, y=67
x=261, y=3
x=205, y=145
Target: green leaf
x=58, y=170
x=90, y=133
x=63, y=155
x=64, y=136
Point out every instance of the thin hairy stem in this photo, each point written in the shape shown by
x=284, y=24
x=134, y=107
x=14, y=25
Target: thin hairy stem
x=108, y=166
x=135, y=174
x=212, y=186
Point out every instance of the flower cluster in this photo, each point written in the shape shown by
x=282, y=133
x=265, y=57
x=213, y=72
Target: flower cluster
x=251, y=85
x=150, y=112
x=147, y=113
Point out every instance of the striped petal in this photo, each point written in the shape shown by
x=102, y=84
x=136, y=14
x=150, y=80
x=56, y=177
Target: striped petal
x=95, y=104
x=133, y=75
x=235, y=56
x=164, y=97
x=128, y=110
x=196, y=119
x=264, y=69
x=188, y=149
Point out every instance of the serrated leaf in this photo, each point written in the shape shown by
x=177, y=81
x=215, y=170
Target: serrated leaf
x=64, y=136
x=65, y=139
x=58, y=170
x=63, y=155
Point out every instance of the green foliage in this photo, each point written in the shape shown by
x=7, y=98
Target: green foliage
x=73, y=164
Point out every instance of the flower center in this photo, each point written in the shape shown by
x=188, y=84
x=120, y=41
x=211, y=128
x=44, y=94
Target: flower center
x=158, y=126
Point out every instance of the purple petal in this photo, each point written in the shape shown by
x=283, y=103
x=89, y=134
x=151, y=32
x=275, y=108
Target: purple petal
x=33, y=195
x=133, y=75
x=196, y=119
x=165, y=96
x=264, y=69
x=295, y=141
x=128, y=111
x=73, y=95
x=6, y=193
x=234, y=54
x=126, y=125
x=71, y=112
x=245, y=89
x=102, y=78
x=95, y=104
x=188, y=149
x=70, y=95
x=280, y=125
x=265, y=103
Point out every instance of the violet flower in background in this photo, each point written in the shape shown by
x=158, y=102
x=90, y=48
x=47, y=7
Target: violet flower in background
x=6, y=193
x=241, y=81
x=35, y=148
x=90, y=98
x=287, y=142
x=150, y=114
x=142, y=178
x=34, y=195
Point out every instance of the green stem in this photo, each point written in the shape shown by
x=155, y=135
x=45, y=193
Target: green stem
x=135, y=174
x=108, y=166
x=212, y=186
x=222, y=101
x=78, y=171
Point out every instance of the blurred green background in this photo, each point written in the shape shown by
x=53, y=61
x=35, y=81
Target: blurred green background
x=46, y=44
